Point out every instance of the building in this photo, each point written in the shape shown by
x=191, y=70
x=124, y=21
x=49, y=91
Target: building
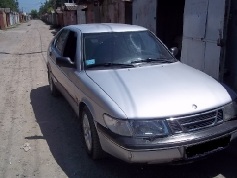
x=69, y=14
x=3, y=22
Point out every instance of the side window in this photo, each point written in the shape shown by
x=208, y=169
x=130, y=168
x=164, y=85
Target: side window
x=71, y=46
x=61, y=40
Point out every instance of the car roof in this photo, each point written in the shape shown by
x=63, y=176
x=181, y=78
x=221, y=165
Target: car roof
x=106, y=27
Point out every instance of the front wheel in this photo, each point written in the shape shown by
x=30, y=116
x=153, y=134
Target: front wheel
x=90, y=136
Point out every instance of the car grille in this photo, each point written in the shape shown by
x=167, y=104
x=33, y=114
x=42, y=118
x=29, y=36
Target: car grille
x=195, y=122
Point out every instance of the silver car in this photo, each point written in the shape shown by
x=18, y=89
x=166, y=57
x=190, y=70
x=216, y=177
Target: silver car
x=134, y=100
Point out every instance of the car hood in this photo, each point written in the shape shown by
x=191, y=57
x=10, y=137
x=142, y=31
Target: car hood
x=157, y=91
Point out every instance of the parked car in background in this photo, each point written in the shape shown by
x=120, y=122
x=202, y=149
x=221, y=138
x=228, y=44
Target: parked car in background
x=134, y=100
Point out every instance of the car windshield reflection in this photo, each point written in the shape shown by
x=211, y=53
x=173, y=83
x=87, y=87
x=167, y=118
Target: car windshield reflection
x=124, y=48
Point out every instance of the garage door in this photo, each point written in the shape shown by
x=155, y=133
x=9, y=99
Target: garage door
x=204, y=34
x=144, y=13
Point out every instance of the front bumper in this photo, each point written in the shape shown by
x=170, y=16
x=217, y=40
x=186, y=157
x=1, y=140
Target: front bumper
x=186, y=146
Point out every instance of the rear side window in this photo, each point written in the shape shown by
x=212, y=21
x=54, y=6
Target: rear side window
x=61, y=40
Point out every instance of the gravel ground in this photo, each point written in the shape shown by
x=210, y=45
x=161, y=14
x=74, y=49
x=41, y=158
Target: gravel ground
x=40, y=135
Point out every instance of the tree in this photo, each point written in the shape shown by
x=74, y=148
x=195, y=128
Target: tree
x=12, y=4
x=46, y=7
x=34, y=14
x=50, y=5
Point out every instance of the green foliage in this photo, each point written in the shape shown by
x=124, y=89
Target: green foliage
x=50, y=5
x=12, y=4
x=34, y=14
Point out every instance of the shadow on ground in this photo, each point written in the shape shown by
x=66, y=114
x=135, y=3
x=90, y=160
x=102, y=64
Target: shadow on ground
x=55, y=30
x=60, y=129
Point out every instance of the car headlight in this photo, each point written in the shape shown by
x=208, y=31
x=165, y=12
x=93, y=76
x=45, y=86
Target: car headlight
x=118, y=126
x=136, y=127
x=149, y=128
x=230, y=110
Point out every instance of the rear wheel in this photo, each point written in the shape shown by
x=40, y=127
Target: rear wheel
x=90, y=135
x=54, y=91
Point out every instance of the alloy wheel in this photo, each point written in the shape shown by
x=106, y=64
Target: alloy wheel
x=87, y=132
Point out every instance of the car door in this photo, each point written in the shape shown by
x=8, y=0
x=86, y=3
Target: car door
x=67, y=47
x=56, y=50
x=70, y=50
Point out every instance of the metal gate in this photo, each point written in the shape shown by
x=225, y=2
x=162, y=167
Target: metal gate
x=204, y=35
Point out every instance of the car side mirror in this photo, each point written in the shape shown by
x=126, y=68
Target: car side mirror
x=174, y=51
x=64, y=62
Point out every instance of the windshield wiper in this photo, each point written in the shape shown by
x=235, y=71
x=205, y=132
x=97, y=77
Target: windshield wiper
x=159, y=60
x=110, y=64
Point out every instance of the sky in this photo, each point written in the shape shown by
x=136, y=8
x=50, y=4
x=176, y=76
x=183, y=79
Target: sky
x=28, y=5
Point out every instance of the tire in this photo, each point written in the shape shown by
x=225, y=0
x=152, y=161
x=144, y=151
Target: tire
x=53, y=90
x=90, y=136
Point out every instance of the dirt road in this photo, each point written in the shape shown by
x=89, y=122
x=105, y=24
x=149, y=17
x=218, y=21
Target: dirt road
x=39, y=134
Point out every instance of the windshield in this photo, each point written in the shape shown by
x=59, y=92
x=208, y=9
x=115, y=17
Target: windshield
x=123, y=48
